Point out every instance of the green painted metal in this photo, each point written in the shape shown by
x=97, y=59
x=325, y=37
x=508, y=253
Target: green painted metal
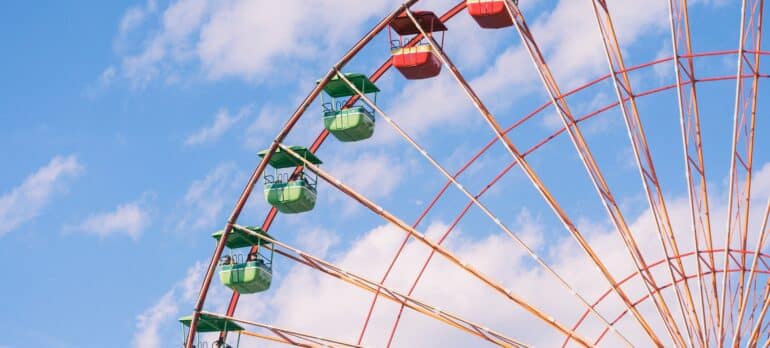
x=336, y=87
x=352, y=124
x=208, y=323
x=282, y=159
x=246, y=278
x=291, y=197
x=240, y=239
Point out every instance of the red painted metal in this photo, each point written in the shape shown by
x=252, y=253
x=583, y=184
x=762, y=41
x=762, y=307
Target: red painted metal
x=418, y=61
x=417, y=65
x=665, y=286
x=427, y=19
x=489, y=14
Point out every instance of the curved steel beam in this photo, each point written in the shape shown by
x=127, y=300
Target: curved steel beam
x=765, y=270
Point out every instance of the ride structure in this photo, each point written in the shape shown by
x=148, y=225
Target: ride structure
x=415, y=61
x=290, y=192
x=691, y=307
x=352, y=123
x=253, y=273
x=490, y=14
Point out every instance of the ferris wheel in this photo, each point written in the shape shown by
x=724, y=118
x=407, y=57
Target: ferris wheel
x=707, y=284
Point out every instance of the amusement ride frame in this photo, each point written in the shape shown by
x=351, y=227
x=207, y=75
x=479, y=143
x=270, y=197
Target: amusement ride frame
x=697, y=318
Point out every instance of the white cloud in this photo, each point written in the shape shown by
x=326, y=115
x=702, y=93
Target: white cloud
x=552, y=121
x=25, y=202
x=129, y=218
x=425, y=104
x=223, y=122
x=570, y=40
x=267, y=124
x=312, y=302
x=173, y=41
x=665, y=72
x=306, y=298
x=135, y=16
x=317, y=241
x=151, y=322
x=244, y=38
x=366, y=173
x=104, y=80
x=206, y=199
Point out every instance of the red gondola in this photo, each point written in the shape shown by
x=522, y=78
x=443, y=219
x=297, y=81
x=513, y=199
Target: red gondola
x=418, y=61
x=490, y=14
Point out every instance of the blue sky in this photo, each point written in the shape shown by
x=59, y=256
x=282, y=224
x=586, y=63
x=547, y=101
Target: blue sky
x=130, y=127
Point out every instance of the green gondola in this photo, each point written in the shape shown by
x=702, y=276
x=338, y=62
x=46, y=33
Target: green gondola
x=210, y=323
x=291, y=197
x=246, y=278
x=256, y=273
x=289, y=193
x=242, y=238
x=353, y=123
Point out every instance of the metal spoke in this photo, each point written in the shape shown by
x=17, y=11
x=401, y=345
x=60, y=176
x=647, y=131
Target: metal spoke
x=742, y=155
x=313, y=339
x=754, y=263
x=755, y=333
x=481, y=206
x=439, y=249
x=416, y=39
x=695, y=167
x=649, y=178
x=586, y=157
x=364, y=283
x=536, y=181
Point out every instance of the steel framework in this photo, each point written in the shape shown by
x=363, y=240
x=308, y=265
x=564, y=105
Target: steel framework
x=701, y=321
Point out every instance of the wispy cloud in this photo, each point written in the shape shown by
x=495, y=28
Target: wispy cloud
x=129, y=218
x=206, y=198
x=223, y=122
x=151, y=322
x=357, y=172
x=135, y=16
x=103, y=82
x=239, y=38
x=25, y=202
